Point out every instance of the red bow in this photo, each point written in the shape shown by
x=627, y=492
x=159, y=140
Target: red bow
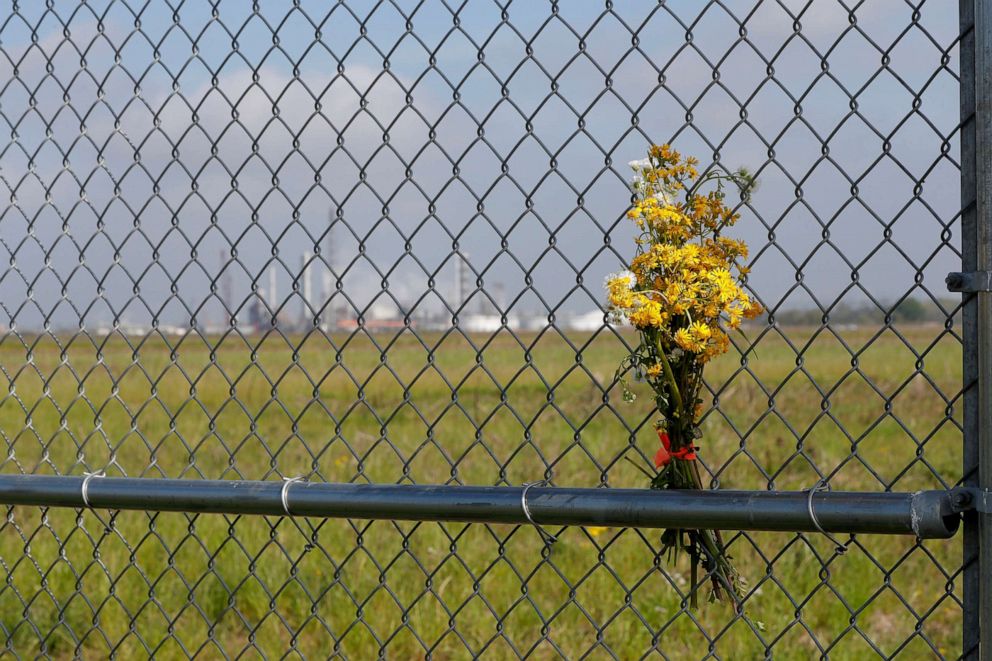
x=665, y=453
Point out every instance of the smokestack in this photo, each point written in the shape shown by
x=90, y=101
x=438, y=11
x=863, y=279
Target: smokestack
x=330, y=257
x=457, y=298
x=499, y=293
x=306, y=269
x=328, y=291
x=272, y=287
x=226, y=291
x=461, y=279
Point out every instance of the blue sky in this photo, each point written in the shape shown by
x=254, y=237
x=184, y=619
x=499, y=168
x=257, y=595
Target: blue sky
x=507, y=142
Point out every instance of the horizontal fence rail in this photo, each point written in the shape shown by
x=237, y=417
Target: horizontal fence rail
x=926, y=514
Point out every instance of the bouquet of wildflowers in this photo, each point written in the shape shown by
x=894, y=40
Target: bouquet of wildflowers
x=683, y=294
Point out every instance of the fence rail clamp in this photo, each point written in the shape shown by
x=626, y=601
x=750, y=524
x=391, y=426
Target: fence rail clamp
x=969, y=282
x=972, y=499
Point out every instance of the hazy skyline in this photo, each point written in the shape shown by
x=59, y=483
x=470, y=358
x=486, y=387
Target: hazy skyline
x=128, y=173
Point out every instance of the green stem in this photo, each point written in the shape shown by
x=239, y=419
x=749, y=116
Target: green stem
x=670, y=377
x=721, y=566
x=717, y=176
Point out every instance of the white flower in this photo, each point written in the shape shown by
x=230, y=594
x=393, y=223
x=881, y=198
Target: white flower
x=626, y=276
x=642, y=164
x=664, y=197
x=616, y=318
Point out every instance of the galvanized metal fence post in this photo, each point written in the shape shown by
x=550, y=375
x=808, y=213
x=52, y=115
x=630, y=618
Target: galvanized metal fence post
x=976, y=256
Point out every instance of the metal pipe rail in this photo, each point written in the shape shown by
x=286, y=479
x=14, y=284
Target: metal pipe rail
x=925, y=514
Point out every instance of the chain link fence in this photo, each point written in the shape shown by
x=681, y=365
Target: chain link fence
x=364, y=242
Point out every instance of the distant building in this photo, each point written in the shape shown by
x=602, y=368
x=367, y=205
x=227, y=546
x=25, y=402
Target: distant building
x=534, y=322
x=382, y=315
x=586, y=321
x=371, y=325
x=170, y=329
x=487, y=323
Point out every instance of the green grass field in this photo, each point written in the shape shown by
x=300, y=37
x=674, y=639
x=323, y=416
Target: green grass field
x=383, y=410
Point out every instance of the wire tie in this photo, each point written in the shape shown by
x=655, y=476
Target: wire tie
x=84, y=489
x=822, y=485
x=284, y=494
x=545, y=535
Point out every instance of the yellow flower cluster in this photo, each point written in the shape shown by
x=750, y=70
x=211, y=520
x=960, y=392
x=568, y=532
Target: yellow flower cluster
x=684, y=282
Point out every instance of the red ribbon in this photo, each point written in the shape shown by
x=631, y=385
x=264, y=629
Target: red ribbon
x=665, y=453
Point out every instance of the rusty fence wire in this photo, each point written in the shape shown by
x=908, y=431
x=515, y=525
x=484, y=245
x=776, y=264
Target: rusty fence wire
x=364, y=242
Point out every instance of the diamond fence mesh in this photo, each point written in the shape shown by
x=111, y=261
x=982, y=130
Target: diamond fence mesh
x=364, y=241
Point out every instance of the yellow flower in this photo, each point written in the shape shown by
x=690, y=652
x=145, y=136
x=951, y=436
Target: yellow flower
x=646, y=313
x=727, y=290
x=620, y=290
x=700, y=330
x=684, y=339
x=752, y=310
x=684, y=281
